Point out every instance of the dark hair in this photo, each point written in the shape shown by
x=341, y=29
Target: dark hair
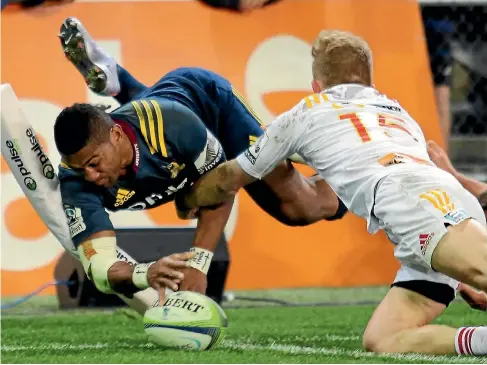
x=79, y=124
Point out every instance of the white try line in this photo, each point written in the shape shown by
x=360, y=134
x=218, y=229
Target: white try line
x=275, y=347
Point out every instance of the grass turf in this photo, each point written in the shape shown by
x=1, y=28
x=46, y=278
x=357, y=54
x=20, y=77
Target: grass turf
x=276, y=334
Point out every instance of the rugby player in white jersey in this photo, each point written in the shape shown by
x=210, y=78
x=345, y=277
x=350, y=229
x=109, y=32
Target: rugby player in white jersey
x=374, y=156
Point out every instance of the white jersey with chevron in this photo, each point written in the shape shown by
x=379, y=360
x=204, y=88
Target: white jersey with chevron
x=351, y=134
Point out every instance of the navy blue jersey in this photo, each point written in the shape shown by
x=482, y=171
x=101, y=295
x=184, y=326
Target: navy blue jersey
x=172, y=148
x=221, y=108
x=180, y=128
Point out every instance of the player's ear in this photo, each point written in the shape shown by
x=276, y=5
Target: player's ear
x=316, y=86
x=116, y=134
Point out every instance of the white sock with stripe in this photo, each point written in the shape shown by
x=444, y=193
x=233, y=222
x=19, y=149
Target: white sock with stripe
x=471, y=341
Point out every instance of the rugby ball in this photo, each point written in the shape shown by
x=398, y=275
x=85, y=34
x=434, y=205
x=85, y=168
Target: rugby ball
x=186, y=320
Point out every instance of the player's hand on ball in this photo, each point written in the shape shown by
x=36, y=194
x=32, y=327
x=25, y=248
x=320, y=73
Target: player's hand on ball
x=167, y=272
x=194, y=280
x=440, y=157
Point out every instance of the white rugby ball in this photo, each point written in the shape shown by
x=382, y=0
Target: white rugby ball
x=186, y=320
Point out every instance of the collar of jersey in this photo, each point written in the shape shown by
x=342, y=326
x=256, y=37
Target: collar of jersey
x=129, y=131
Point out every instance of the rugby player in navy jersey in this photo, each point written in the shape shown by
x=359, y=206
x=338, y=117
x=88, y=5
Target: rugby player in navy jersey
x=149, y=151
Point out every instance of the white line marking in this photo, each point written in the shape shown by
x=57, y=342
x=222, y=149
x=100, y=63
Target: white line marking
x=276, y=347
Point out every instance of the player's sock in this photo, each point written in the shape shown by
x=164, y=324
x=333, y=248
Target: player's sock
x=471, y=341
x=97, y=67
x=129, y=86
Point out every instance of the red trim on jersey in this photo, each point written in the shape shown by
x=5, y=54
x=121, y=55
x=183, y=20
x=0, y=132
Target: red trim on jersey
x=129, y=131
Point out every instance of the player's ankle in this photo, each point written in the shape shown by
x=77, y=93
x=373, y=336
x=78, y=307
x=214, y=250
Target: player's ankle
x=471, y=341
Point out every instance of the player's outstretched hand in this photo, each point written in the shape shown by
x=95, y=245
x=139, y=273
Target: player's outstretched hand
x=475, y=299
x=440, y=157
x=194, y=280
x=167, y=272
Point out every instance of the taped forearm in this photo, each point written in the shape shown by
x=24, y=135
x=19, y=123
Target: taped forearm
x=98, y=256
x=108, y=273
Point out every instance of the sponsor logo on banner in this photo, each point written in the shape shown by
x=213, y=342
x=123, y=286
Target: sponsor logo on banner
x=75, y=220
x=122, y=256
x=47, y=168
x=424, y=241
x=15, y=156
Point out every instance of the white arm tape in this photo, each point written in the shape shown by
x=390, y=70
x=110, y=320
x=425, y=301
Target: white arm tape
x=202, y=259
x=98, y=256
x=139, y=276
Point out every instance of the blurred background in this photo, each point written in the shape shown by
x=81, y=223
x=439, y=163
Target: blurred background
x=429, y=55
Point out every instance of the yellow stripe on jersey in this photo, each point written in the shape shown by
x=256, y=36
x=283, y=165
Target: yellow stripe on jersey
x=152, y=125
x=160, y=128
x=65, y=165
x=246, y=105
x=308, y=102
x=314, y=99
x=143, y=128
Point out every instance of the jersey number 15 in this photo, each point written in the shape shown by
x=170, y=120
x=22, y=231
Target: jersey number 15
x=386, y=121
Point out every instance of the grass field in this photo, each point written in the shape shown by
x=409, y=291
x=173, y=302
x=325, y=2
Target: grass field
x=36, y=333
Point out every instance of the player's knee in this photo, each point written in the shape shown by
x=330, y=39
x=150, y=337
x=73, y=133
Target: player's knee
x=372, y=342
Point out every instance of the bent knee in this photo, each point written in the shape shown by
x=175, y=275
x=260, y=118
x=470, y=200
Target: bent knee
x=377, y=344
x=371, y=341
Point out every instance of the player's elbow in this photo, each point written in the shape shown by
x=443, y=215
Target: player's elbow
x=226, y=190
x=228, y=183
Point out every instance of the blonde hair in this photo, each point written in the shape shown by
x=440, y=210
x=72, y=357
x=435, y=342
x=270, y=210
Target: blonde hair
x=340, y=58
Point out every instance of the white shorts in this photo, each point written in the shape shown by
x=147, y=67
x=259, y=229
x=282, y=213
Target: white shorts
x=415, y=208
